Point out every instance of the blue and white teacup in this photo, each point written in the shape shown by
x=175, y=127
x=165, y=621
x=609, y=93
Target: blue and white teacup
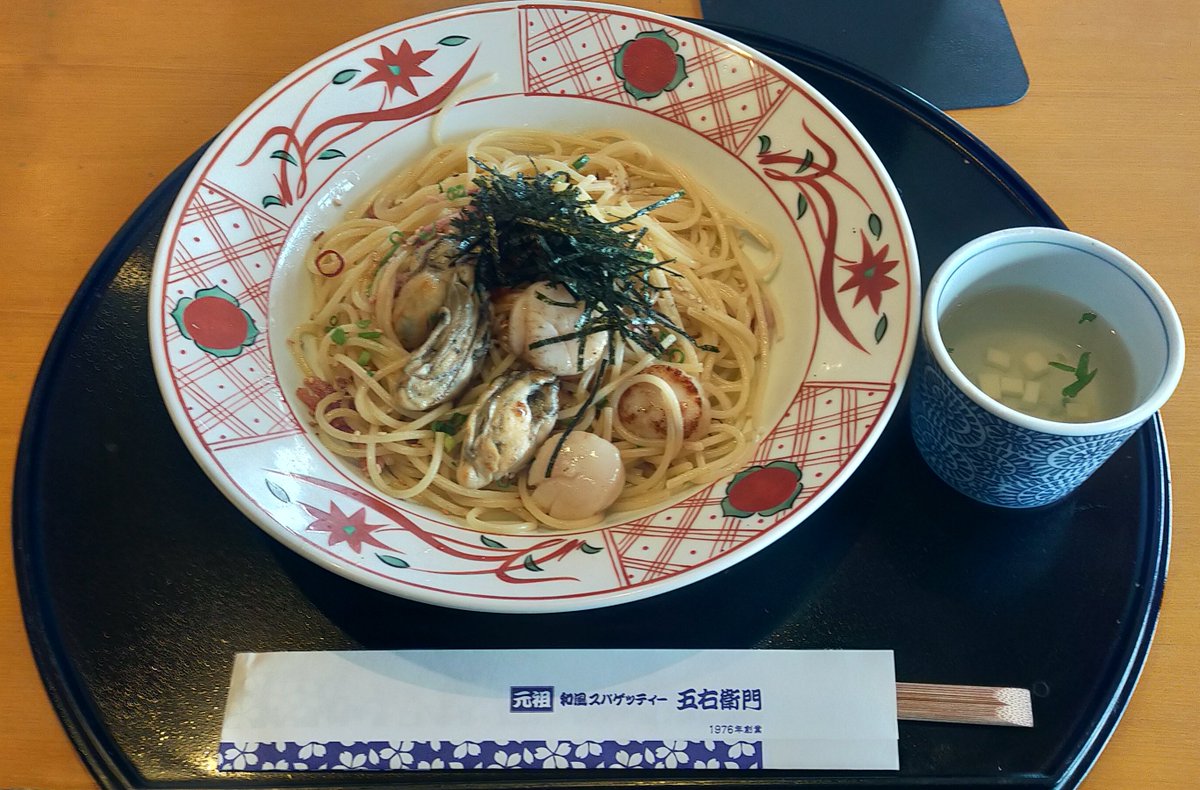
x=1001, y=456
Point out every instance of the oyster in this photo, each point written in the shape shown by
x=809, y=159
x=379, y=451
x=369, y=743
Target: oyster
x=423, y=293
x=502, y=432
x=457, y=342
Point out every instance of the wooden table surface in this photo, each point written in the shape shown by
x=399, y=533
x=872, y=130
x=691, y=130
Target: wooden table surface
x=100, y=100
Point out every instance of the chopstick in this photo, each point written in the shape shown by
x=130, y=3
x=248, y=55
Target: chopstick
x=1006, y=707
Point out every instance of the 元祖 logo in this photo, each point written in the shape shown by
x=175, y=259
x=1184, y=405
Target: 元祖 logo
x=531, y=699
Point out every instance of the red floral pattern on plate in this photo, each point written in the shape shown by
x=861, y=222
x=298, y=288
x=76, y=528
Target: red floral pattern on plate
x=649, y=64
x=764, y=490
x=595, y=63
x=215, y=321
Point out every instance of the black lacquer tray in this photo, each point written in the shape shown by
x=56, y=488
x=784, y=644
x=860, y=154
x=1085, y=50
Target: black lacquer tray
x=140, y=582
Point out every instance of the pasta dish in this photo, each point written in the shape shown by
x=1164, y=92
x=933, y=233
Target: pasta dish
x=530, y=330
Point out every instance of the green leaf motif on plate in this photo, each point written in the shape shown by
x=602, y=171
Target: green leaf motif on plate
x=801, y=206
x=395, y=562
x=285, y=156
x=764, y=144
x=875, y=224
x=587, y=548
x=277, y=491
x=453, y=41
x=490, y=543
x=530, y=565
x=881, y=328
x=344, y=76
x=330, y=153
x=271, y=200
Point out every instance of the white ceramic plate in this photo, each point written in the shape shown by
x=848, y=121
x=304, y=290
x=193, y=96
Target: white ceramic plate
x=228, y=287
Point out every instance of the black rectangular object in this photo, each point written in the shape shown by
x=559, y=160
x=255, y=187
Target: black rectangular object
x=952, y=53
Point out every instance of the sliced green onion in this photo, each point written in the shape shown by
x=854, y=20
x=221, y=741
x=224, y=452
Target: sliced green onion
x=451, y=424
x=372, y=335
x=363, y=323
x=338, y=335
x=364, y=358
x=1073, y=389
x=1083, y=376
x=396, y=237
x=580, y=162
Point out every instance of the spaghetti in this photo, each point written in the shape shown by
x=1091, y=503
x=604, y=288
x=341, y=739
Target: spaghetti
x=679, y=408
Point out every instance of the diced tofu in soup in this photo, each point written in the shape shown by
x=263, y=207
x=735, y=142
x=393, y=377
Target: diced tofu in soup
x=1041, y=354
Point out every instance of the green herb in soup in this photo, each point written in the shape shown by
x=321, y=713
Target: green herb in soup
x=1041, y=353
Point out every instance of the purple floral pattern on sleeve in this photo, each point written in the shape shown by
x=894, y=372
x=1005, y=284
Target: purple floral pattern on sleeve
x=447, y=755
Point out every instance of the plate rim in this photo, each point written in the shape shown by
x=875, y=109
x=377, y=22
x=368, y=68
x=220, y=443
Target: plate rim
x=527, y=604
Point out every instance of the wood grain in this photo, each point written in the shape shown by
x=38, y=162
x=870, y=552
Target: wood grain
x=984, y=705
x=101, y=100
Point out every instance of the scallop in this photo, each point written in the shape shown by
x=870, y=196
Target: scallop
x=543, y=312
x=643, y=406
x=587, y=477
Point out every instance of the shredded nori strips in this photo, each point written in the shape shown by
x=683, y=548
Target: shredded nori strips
x=524, y=229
